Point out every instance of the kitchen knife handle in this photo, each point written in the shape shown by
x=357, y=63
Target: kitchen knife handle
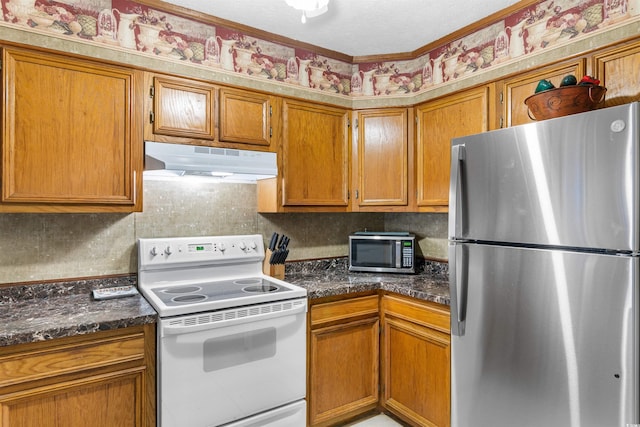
x=455, y=191
x=273, y=242
x=458, y=286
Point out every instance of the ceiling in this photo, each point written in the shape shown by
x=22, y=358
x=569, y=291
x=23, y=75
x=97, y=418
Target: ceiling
x=356, y=27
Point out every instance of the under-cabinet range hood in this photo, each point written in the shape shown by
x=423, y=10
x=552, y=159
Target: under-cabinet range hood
x=174, y=160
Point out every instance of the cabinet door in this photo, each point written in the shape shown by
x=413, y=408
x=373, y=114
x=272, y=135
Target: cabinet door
x=343, y=373
x=315, y=153
x=519, y=88
x=71, y=135
x=245, y=119
x=416, y=362
x=343, y=359
x=439, y=121
x=182, y=108
x=106, y=401
x=613, y=68
x=381, y=159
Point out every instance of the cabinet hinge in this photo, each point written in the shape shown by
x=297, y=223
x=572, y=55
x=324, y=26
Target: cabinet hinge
x=357, y=194
x=152, y=117
x=348, y=194
x=270, y=111
x=0, y=64
x=348, y=123
x=501, y=122
x=270, y=132
x=152, y=91
x=501, y=97
x=356, y=123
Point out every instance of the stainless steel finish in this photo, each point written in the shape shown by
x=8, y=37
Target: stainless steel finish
x=455, y=191
x=391, y=243
x=544, y=265
x=571, y=181
x=548, y=341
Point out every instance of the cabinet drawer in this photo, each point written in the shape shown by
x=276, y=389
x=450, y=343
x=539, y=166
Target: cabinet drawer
x=340, y=310
x=429, y=314
x=35, y=364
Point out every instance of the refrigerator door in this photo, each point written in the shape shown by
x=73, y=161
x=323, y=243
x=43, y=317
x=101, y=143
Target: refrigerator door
x=571, y=181
x=550, y=338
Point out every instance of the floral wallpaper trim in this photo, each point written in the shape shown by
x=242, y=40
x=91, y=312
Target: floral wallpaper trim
x=125, y=24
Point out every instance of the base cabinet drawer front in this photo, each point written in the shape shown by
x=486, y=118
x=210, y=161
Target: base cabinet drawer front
x=35, y=365
x=343, y=376
x=106, y=401
x=345, y=309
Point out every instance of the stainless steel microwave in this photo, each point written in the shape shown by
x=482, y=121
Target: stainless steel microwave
x=382, y=252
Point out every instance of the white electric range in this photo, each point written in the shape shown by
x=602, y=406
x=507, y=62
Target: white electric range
x=231, y=340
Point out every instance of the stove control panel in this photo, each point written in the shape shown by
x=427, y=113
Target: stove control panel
x=166, y=252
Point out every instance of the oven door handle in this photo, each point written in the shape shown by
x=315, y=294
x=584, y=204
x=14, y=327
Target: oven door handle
x=206, y=321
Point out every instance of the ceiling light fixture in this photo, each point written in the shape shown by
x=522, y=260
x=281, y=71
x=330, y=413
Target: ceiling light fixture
x=309, y=8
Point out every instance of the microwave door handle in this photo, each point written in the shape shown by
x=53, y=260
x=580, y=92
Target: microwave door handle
x=398, y=254
x=455, y=191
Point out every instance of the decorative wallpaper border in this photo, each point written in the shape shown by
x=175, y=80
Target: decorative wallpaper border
x=125, y=24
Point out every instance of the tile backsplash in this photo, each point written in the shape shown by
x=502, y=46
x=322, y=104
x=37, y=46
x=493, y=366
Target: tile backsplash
x=39, y=247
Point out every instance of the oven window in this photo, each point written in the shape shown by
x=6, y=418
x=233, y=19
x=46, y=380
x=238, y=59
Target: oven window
x=373, y=253
x=238, y=349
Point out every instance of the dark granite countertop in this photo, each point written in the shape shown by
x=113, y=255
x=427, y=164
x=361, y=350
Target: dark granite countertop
x=326, y=278
x=44, y=311
x=38, y=312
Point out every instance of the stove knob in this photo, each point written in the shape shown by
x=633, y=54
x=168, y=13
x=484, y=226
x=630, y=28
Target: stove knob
x=154, y=251
x=168, y=250
x=242, y=246
x=222, y=247
x=254, y=245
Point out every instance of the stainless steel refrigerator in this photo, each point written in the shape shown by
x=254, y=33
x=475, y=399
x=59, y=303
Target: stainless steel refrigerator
x=544, y=262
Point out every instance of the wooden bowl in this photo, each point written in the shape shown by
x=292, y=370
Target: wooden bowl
x=563, y=101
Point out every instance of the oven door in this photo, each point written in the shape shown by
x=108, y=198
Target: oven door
x=223, y=366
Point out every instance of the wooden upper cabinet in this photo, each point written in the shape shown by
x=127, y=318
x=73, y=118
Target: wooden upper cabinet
x=614, y=68
x=180, y=110
x=315, y=153
x=381, y=160
x=71, y=139
x=437, y=122
x=519, y=88
x=245, y=118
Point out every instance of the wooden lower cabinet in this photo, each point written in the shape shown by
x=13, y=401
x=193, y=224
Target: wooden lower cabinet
x=343, y=360
x=106, y=379
x=415, y=361
x=404, y=370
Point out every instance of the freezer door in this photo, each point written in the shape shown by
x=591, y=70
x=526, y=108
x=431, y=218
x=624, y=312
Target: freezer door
x=571, y=181
x=550, y=338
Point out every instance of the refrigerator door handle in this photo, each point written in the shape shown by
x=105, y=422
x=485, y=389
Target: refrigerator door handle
x=458, y=279
x=455, y=191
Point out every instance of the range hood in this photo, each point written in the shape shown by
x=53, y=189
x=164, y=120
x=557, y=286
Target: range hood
x=162, y=159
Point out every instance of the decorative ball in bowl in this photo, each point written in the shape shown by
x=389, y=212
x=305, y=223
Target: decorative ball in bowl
x=564, y=100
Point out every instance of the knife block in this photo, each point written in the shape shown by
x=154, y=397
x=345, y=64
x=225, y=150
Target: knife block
x=273, y=270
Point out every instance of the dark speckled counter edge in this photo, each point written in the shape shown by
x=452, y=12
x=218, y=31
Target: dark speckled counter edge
x=45, y=311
